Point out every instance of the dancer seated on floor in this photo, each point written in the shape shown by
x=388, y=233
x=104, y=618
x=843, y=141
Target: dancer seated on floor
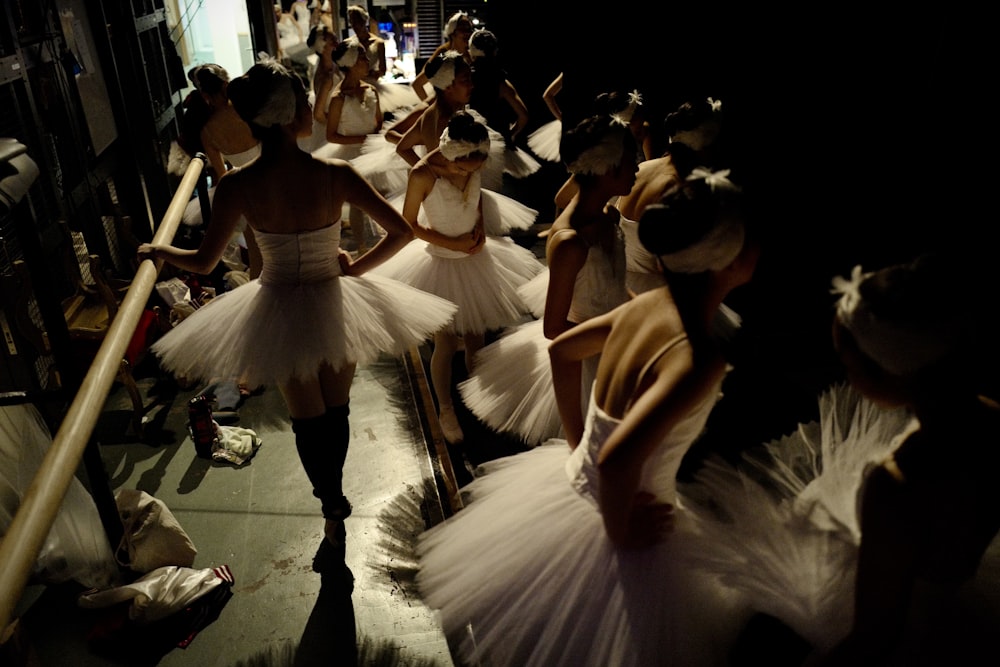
x=455, y=258
x=311, y=317
x=574, y=553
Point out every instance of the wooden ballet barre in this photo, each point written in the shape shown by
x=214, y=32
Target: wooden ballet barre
x=21, y=545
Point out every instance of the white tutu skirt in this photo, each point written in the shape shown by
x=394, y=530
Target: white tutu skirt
x=782, y=528
x=272, y=333
x=483, y=285
x=510, y=389
x=328, y=150
x=528, y=567
x=381, y=165
x=534, y=293
x=544, y=141
x=395, y=96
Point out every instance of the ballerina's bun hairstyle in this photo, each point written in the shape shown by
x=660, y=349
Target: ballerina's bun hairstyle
x=347, y=53
x=698, y=226
x=483, y=43
x=695, y=124
x=319, y=36
x=359, y=11
x=208, y=79
x=444, y=67
x=465, y=136
x=908, y=317
x=596, y=145
x=266, y=97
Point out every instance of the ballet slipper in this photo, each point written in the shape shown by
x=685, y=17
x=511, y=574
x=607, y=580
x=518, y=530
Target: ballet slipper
x=449, y=425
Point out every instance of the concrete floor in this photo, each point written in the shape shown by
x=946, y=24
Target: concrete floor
x=263, y=522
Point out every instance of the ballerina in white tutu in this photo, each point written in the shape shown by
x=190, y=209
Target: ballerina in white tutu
x=693, y=130
x=892, y=490
x=386, y=163
x=575, y=553
x=455, y=258
x=311, y=316
x=510, y=389
x=354, y=114
x=393, y=96
x=211, y=125
x=457, y=32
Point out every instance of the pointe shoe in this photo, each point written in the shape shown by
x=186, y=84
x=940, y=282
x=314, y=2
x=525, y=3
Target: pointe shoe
x=449, y=426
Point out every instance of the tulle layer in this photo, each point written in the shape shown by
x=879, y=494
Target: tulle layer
x=483, y=285
x=510, y=388
x=271, y=333
x=395, y=96
x=544, y=141
x=528, y=565
x=782, y=527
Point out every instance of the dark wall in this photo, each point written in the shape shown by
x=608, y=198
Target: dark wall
x=865, y=136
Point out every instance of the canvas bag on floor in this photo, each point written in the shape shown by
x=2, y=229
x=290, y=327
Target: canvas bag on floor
x=152, y=536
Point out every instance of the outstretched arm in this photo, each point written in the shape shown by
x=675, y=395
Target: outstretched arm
x=226, y=212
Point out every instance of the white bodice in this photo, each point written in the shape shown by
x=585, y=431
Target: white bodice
x=303, y=257
x=451, y=211
x=600, y=283
x=357, y=117
x=643, y=267
x=659, y=473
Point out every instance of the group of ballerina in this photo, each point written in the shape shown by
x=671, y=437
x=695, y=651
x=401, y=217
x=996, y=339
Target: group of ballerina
x=584, y=549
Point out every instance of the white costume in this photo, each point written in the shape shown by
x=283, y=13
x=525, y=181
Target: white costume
x=510, y=388
x=484, y=284
x=256, y=330
x=528, y=567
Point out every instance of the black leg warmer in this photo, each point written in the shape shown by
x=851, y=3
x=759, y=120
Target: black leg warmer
x=322, y=443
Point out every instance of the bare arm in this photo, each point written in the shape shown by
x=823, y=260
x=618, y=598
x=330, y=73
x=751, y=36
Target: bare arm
x=884, y=580
x=227, y=208
x=365, y=197
x=398, y=129
x=419, y=185
x=566, y=354
x=631, y=518
x=214, y=155
x=566, y=193
x=509, y=94
x=565, y=255
x=549, y=96
x=412, y=137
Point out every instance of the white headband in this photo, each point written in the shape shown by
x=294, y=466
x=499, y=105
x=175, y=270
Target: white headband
x=714, y=252
x=721, y=245
x=598, y=160
x=458, y=148
x=445, y=75
x=281, y=103
x=899, y=349
x=350, y=57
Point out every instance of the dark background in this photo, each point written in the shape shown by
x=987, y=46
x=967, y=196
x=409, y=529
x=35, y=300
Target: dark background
x=865, y=136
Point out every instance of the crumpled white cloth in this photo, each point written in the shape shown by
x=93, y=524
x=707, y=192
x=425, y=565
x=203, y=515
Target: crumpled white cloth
x=234, y=444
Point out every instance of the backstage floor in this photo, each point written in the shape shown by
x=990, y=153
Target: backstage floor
x=262, y=521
